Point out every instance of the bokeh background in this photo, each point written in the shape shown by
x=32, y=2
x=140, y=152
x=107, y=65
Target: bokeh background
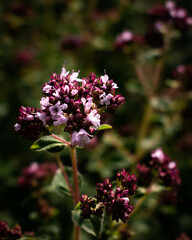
x=36, y=39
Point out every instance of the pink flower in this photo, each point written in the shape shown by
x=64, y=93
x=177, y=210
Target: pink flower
x=17, y=127
x=105, y=99
x=80, y=138
x=60, y=119
x=57, y=93
x=94, y=118
x=57, y=109
x=87, y=103
x=44, y=102
x=47, y=88
x=64, y=73
x=43, y=117
x=105, y=78
x=159, y=154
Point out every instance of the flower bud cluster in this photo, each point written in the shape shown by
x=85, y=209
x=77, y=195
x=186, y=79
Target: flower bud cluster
x=36, y=174
x=167, y=171
x=29, y=125
x=114, y=201
x=7, y=233
x=128, y=181
x=72, y=102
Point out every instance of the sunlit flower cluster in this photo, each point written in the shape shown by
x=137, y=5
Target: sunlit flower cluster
x=72, y=102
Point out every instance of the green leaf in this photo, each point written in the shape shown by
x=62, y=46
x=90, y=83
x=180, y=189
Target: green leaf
x=59, y=185
x=48, y=143
x=104, y=127
x=92, y=226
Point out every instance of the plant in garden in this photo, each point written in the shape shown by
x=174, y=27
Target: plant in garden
x=70, y=115
x=74, y=105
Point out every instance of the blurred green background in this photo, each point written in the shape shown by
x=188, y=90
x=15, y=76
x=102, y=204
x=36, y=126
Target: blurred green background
x=36, y=38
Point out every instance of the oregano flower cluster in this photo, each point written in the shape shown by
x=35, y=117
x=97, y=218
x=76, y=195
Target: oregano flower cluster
x=72, y=102
x=174, y=15
x=113, y=199
x=166, y=169
x=36, y=174
x=163, y=20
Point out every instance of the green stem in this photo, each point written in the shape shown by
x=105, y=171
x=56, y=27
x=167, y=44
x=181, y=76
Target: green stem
x=75, y=173
x=76, y=234
x=77, y=229
x=65, y=175
x=60, y=139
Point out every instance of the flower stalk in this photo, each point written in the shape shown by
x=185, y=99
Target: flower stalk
x=76, y=233
x=65, y=176
x=60, y=139
x=75, y=173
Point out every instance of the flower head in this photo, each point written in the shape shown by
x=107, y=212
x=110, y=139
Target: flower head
x=128, y=181
x=35, y=174
x=116, y=202
x=29, y=125
x=165, y=169
x=172, y=15
x=75, y=103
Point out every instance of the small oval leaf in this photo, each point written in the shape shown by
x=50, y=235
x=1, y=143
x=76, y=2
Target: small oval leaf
x=104, y=127
x=48, y=143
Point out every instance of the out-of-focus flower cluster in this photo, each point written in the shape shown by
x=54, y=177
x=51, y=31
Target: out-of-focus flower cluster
x=184, y=74
x=163, y=20
x=34, y=178
x=172, y=14
x=7, y=233
x=114, y=201
x=166, y=169
x=72, y=102
x=127, y=38
x=36, y=174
